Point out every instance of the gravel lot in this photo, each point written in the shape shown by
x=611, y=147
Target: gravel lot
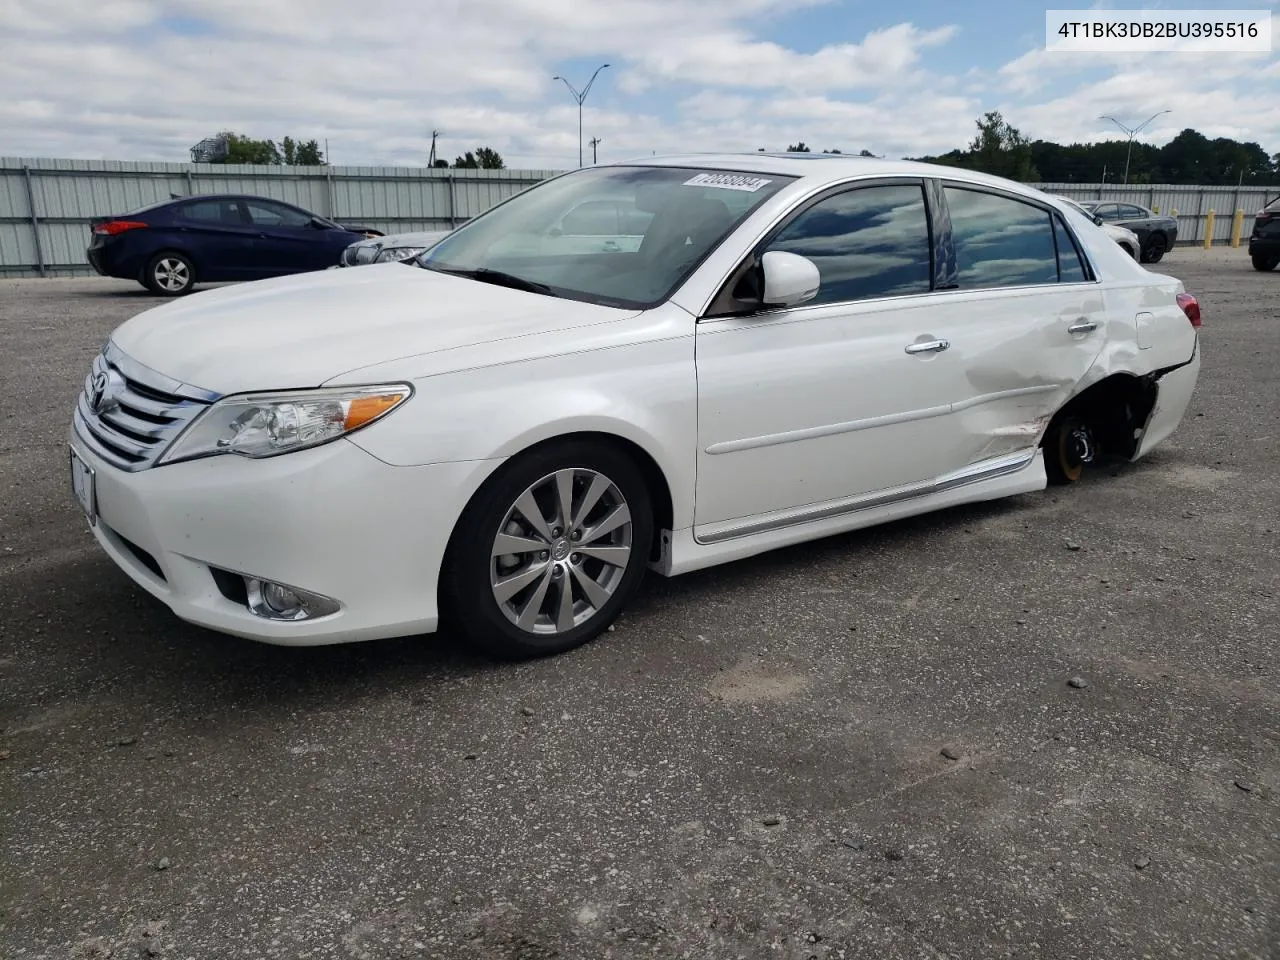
x=750, y=765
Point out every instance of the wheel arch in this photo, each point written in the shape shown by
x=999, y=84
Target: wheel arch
x=657, y=483
x=150, y=258
x=1117, y=406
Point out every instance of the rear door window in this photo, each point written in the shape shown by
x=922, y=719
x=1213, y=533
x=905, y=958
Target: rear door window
x=999, y=241
x=1070, y=264
x=221, y=212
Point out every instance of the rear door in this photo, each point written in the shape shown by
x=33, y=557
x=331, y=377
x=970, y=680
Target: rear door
x=1025, y=320
x=1134, y=218
x=217, y=235
x=288, y=240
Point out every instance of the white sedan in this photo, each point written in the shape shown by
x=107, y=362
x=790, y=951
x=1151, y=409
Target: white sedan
x=505, y=442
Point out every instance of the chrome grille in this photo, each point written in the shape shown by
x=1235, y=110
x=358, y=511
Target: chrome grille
x=128, y=414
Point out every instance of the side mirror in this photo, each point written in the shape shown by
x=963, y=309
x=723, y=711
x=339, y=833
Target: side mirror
x=1098, y=220
x=319, y=224
x=789, y=279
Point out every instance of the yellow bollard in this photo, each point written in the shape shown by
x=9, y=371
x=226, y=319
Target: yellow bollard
x=1237, y=227
x=1208, y=229
x=1155, y=210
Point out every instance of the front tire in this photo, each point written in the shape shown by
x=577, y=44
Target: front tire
x=1069, y=447
x=169, y=274
x=1264, y=264
x=549, y=551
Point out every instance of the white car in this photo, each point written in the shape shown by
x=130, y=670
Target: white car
x=395, y=246
x=797, y=348
x=1126, y=238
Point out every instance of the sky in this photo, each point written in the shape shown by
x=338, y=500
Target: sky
x=146, y=79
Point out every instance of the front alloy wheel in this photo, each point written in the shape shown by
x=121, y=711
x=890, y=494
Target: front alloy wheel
x=561, y=551
x=549, y=551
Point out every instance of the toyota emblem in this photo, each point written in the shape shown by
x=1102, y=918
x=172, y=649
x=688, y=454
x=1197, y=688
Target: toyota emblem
x=98, y=391
x=104, y=391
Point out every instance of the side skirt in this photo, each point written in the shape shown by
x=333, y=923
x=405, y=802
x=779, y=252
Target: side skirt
x=692, y=549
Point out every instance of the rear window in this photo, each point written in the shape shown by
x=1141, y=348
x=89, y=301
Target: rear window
x=149, y=206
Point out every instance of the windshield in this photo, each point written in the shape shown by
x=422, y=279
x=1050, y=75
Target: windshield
x=621, y=236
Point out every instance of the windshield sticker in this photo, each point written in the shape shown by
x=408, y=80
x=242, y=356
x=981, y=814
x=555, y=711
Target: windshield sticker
x=727, y=181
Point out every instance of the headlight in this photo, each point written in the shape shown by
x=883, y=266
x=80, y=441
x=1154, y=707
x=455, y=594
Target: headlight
x=269, y=424
x=398, y=253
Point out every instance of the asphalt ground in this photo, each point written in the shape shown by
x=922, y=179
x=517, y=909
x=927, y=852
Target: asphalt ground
x=749, y=765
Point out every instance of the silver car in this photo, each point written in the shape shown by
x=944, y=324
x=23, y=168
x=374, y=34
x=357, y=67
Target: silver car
x=396, y=246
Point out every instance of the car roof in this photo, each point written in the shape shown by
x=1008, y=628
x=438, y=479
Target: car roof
x=817, y=168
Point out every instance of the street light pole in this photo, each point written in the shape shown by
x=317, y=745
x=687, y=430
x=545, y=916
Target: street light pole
x=1132, y=132
x=580, y=97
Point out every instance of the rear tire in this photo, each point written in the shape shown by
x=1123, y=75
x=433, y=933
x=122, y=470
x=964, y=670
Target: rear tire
x=169, y=274
x=517, y=550
x=1264, y=264
x=1155, y=249
x=1069, y=447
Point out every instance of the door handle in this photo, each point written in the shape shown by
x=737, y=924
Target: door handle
x=928, y=346
x=1083, y=326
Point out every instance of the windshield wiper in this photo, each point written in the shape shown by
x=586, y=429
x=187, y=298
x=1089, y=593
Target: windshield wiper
x=499, y=277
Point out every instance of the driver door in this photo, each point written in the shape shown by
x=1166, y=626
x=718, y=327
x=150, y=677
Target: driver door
x=811, y=405
x=288, y=242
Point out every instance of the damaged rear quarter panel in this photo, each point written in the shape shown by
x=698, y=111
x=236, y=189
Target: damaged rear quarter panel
x=1167, y=337
x=1020, y=363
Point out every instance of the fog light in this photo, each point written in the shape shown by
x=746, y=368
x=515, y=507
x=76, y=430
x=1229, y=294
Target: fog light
x=277, y=601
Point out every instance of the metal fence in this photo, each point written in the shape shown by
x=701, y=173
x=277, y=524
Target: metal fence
x=1190, y=204
x=46, y=205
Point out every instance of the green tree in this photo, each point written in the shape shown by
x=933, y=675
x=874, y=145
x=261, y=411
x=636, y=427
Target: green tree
x=489, y=159
x=242, y=149
x=1000, y=149
x=484, y=158
x=298, y=154
x=798, y=148
x=1188, y=158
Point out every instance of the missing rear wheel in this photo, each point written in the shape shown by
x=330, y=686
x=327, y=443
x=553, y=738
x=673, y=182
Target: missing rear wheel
x=1070, y=446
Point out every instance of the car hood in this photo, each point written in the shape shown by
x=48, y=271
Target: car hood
x=420, y=239
x=302, y=330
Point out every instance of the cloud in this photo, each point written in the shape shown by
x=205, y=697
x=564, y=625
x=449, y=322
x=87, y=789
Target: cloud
x=144, y=79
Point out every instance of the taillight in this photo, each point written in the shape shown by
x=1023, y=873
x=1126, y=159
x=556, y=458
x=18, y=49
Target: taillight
x=112, y=227
x=1191, y=307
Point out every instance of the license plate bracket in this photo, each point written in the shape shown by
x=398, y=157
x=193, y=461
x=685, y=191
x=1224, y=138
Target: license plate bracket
x=83, y=486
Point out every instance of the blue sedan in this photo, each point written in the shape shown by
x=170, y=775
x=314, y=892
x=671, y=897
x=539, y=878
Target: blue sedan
x=170, y=246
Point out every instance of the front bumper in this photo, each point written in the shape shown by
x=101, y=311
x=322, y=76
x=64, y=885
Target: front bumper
x=333, y=520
